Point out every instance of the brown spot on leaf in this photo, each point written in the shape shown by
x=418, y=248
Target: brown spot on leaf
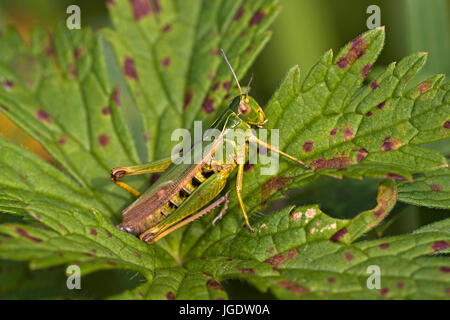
x=246, y=270
x=447, y=125
x=384, y=292
x=257, y=17
x=334, y=163
x=25, y=234
x=103, y=139
x=239, y=14
x=331, y=280
x=444, y=269
x=274, y=184
x=106, y=111
x=141, y=8
x=72, y=69
x=424, y=87
x=226, y=85
x=369, y=114
x=165, y=62
x=93, y=232
x=156, y=6
x=362, y=154
x=391, y=144
x=170, y=295
x=213, y=284
x=78, y=53
x=248, y=167
x=62, y=141
x=374, y=85
x=348, y=256
x=384, y=245
x=279, y=259
x=435, y=187
x=293, y=287
x=357, y=50
x=129, y=68
x=208, y=105
x=400, y=285
x=8, y=85
x=365, y=70
x=395, y=176
x=348, y=133
x=440, y=245
x=146, y=136
x=333, y=132
x=308, y=146
x=339, y=235
x=108, y=234
x=187, y=98
x=381, y=105
x=43, y=116
x=116, y=96
x=166, y=28
x=215, y=86
x=342, y=63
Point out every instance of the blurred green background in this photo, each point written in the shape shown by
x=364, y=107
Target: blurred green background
x=303, y=31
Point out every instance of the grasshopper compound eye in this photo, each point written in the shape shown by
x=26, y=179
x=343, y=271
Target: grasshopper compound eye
x=244, y=108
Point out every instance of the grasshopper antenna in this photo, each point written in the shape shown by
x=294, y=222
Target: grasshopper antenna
x=232, y=71
x=248, y=85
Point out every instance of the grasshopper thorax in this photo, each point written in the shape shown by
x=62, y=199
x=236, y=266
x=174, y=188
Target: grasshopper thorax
x=248, y=110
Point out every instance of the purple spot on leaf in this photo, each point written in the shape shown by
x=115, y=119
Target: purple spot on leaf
x=226, y=85
x=435, y=187
x=43, y=116
x=384, y=245
x=103, y=139
x=381, y=105
x=374, y=85
x=129, y=68
x=308, y=146
x=187, y=98
x=440, y=245
x=116, y=96
x=141, y=8
x=257, y=17
x=239, y=14
x=208, y=105
x=366, y=70
x=165, y=62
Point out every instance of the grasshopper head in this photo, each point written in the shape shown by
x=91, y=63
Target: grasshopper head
x=249, y=110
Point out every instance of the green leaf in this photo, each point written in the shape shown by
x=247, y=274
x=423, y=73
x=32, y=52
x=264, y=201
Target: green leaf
x=431, y=190
x=61, y=89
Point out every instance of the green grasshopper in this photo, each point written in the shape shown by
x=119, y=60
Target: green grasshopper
x=185, y=192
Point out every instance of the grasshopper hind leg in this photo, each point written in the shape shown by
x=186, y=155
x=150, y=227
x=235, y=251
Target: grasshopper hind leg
x=153, y=236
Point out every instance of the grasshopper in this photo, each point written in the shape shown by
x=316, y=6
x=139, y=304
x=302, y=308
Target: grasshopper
x=185, y=192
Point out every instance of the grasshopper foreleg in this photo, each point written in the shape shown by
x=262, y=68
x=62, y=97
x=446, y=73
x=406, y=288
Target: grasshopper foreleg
x=152, y=167
x=272, y=148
